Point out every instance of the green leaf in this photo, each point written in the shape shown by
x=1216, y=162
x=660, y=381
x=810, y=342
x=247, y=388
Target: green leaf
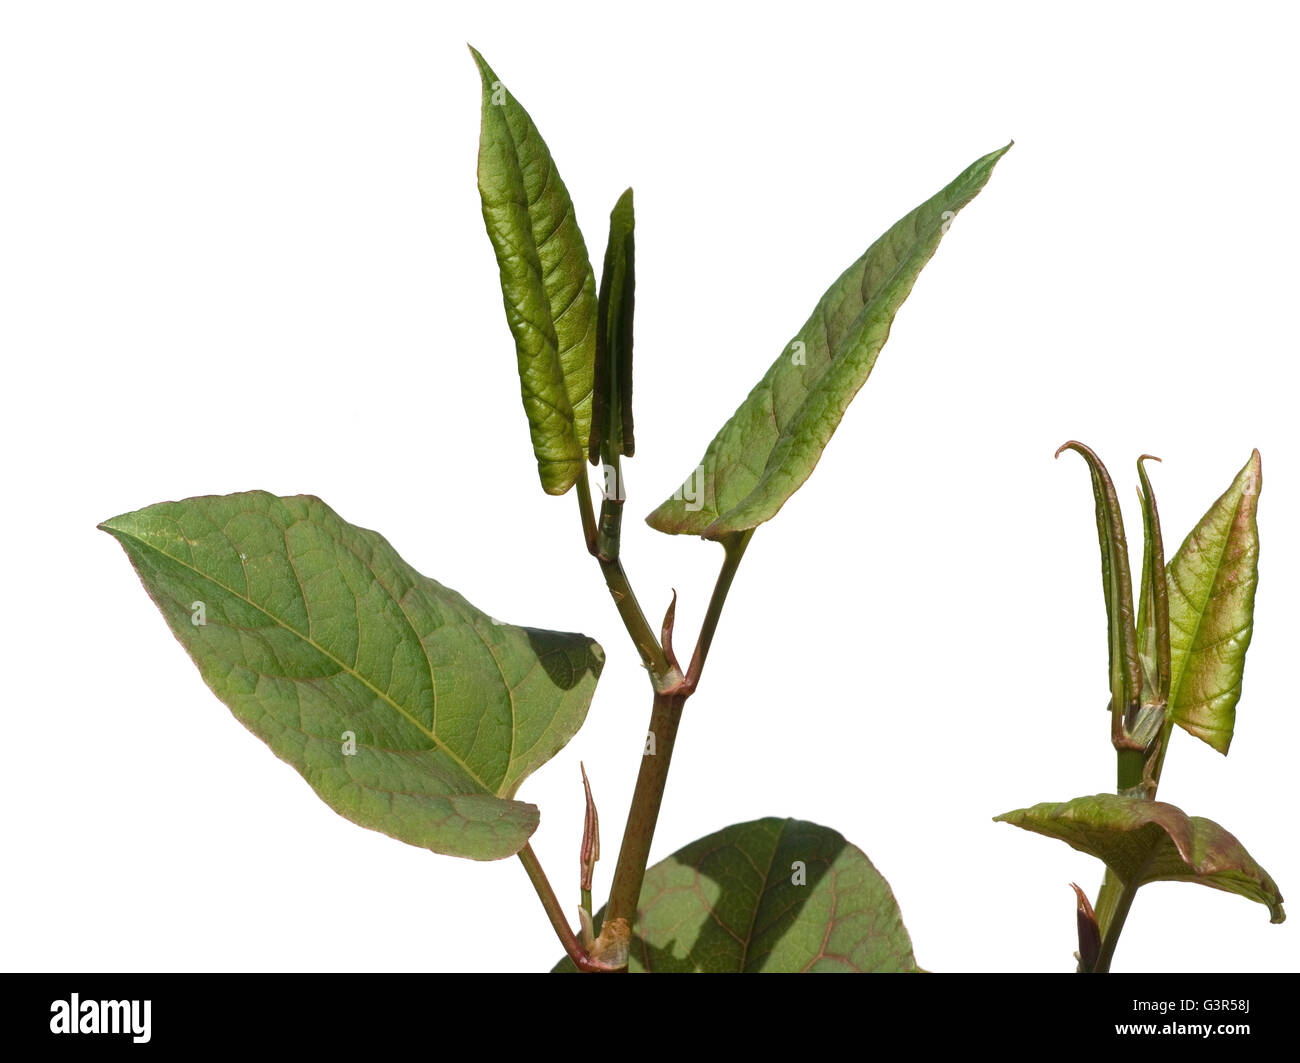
x=730, y=903
x=316, y=631
x=1212, y=582
x=546, y=281
x=1151, y=841
x=772, y=443
x=1117, y=583
x=611, y=416
x=1153, y=606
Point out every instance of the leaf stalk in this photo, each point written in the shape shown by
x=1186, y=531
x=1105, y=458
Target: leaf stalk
x=572, y=946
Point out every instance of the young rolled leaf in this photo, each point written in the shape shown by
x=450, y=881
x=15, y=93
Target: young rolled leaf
x=1117, y=583
x=770, y=895
x=1151, y=841
x=406, y=709
x=546, y=281
x=1212, y=581
x=611, y=408
x=1088, y=930
x=772, y=443
x=1153, y=604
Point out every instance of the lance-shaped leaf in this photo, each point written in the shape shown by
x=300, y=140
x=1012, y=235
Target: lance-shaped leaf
x=611, y=408
x=1117, y=583
x=770, y=895
x=1151, y=841
x=772, y=443
x=1212, y=582
x=546, y=281
x=405, y=708
x=1153, y=605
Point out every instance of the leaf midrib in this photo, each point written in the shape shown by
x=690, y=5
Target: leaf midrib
x=1175, y=691
x=762, y=893
x=534, y=257
x=852, y=343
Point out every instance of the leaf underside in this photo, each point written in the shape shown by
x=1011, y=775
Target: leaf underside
x=1151, y=841
x=774, y=440
x=315, y=628
x=547, y=282
x=728, y=903
x=1212, y=580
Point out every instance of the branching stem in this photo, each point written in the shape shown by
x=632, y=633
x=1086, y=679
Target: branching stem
x=662, y=674
x=1113, y=904
x=671, y=688
x=734, y=545
x=572, y=946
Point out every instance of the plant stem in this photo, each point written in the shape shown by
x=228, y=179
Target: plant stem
x=670, y=686
x=1166, y=733
x=642, y=817
x=1114, y=898
x=610, y=522
x=1128, y=769
x=665, y=717
x=734, y=545
x=572, y=946
x=1113, y=904
x=586, y=512
x=662, y=675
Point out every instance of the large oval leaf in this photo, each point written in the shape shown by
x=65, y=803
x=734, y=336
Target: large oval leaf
x=546, y=281
x=1212, y=582
x=772, y=443
x=769, y=895
x=1151, y=841
x=406, y=709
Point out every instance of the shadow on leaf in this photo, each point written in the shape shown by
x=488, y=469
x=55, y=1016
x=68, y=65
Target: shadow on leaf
x=771, y=895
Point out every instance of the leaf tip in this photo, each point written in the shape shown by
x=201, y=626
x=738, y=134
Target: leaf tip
x=1219, y=740
x=1254, y=473
x=486, y=73
x=114, y=526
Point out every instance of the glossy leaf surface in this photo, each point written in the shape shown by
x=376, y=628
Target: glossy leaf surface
x=546, y=281
x=772, y=443
x=1212, y=581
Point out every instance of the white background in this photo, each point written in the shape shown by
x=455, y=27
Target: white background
x=241, y=248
